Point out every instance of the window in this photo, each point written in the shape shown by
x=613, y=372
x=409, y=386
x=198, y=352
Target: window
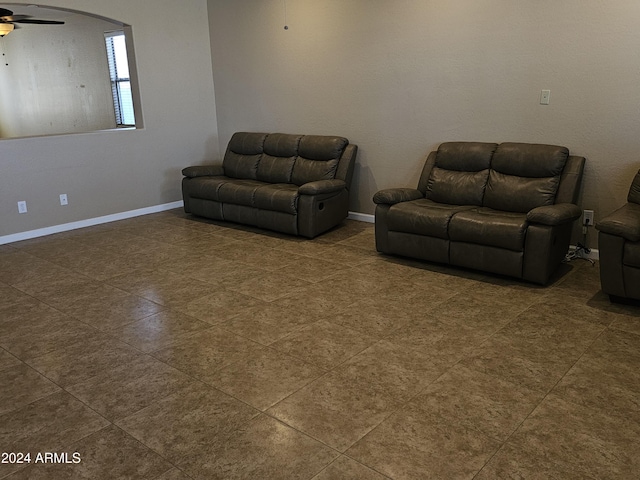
x=120, y=80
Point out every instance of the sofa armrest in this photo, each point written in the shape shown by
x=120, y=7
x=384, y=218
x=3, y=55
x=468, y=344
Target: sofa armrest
x=203, y=171
x=624, y=222
x=552, y=215
x=391, y=196
x=319, y=187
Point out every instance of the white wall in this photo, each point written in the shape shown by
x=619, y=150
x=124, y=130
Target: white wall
x=55, y=79
x=115, y=171
x=400, y=77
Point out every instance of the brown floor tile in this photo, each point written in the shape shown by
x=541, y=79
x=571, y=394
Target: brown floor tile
x=582, y=282
x=34, y=339
x=377, y=319
x=312, y=270
x=173, y=474
x=400, y=371
x=486, y=314
x=510, y=462
x=26, y=313
x=264, y=448
x=562, y=306
x=476, y=402
x=580, y=439
x=417, y=370
x=203, y=353
x=344, y=468
x=317, y=301
x=269, y=286
x=365, y=240
x=111, y=312
x=535, y=349
x=22, y=385
x=158, y=331
x=94, y=263
x=348, y=255
x=607, y=377
x=409, y=446
x=79, y=361
x=207, y=268
x=7, y=360
x=60, y=289
x=336, y=409
x=266, y=324
x=18, y=266
x=324, y=344
x=218, y=306
x=186, y=420
x=107, y=454
x=50, y=424
x=10, y=296
x=264, y=378
x=163, y=287
x=124, y=390
x=449, y=341
x=254, y=254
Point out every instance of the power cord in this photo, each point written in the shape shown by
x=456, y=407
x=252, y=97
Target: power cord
x=581, y=251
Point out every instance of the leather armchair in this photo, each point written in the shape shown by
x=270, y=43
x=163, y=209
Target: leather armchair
x=619, y=246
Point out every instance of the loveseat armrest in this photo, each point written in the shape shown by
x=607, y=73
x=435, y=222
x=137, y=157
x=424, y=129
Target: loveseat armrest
x=320, y=187
x=552, y=215
x=203, y=171
x=391, y=196
x=624, y=222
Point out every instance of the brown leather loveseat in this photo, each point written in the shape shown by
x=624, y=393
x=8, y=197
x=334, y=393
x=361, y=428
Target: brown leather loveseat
x=619, y=248
x=296, y=184
x=506, y=209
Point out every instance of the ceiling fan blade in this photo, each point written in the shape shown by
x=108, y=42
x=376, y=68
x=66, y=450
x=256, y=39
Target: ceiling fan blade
x=14, y=18
x=39, y=22
x=5, y=13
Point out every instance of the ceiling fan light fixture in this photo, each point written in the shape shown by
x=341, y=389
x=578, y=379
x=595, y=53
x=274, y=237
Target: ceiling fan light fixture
x=6, y=28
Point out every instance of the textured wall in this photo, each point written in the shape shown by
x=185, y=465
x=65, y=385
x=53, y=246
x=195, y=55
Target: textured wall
x=400, y=77
x=55, y=79
x=115, y=171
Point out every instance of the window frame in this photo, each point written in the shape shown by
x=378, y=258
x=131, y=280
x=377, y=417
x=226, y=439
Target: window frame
x=121, y=110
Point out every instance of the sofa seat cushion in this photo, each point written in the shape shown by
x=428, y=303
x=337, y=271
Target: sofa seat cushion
x=631, y=256
x=485, y=226
x=423, y=217
x=238, y=192
x=279, y=197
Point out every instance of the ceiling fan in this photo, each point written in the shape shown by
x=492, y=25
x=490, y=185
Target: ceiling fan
x=8, y=21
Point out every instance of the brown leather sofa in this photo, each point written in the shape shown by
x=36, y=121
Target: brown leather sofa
x=296, y=184
x=619, y=248
x=506, y=209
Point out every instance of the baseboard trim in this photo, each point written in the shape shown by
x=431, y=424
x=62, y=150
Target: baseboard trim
x=362, y=217
x=65, y=227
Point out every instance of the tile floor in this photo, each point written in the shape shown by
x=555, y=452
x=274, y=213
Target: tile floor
x=167, y=347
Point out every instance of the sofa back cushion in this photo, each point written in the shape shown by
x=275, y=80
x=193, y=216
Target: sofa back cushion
x=460, y=173
x=280, y=152
x=524, y=176
x=318, y=158
x=243, y=155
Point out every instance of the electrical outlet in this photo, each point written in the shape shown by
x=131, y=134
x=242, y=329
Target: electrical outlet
x=587, y=217
x=22, y=207
x=63, y=199
x=545, y=96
